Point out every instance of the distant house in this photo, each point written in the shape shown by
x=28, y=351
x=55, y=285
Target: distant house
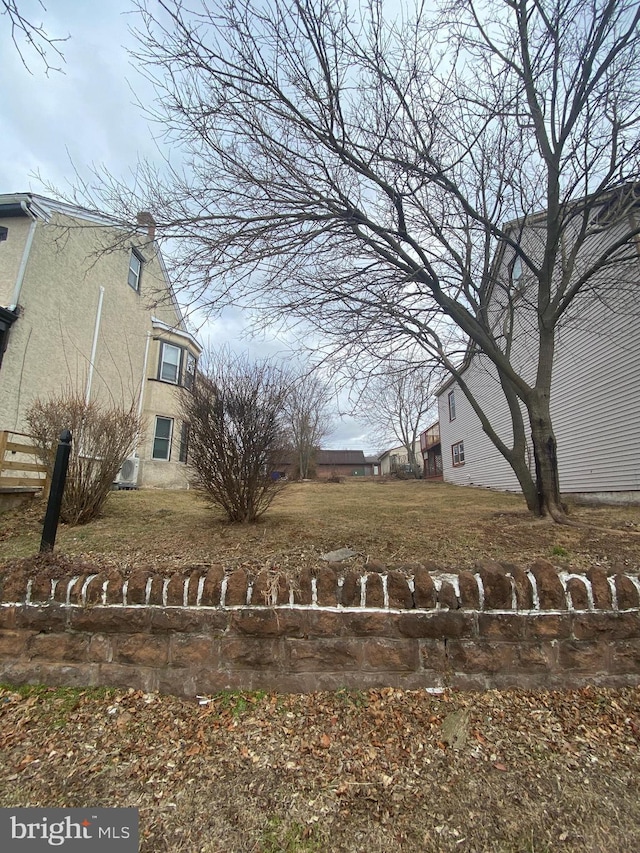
x=431, y=450
x=344, y=463
x=105, y=324
x=595, y=391
x=396, y=459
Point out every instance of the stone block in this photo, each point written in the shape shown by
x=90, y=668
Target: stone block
x=578, y=592
x=534, y=656
x=611, y=625
x=236, y=593
x=265, y=589
x=42, y=617
x=626, y=592
x=141, y=650
x=447, y=597
x=100, y=650
x=502, y=626
x=376, y=566
x=115, y=583
x=497, y=586
x=586, y=656
x=302, y=587
x=524, y=590
x=59, y=647
x=433, y=655
x=122, y=675
x=110, y=620
x=189, y=651
x=13, y=589
x=469, y=592
x=8, y=616
x=323, y=655
x=327, y=587
x=625, y=657
x=155, y=593
x=175, y=590
x=424, y=594
x=319, y=623
x=600, y=587
x=137, y=587
x=474, y=656
x=273, y=622
x=250, y=653
x=550, y=591
x=13, y=644
x=93, y=592
x=400, y=596
x=350, y=590
x=374, y=591
x=194, y=586
x=548, y=626
x=40, y=590
x=438, y=624
x=391, y=655
x=186, y=620
x=368, y=624
x=213, y=586
x=60, y=591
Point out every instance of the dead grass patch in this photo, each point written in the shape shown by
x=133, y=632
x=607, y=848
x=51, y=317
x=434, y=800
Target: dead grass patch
x=399, y=522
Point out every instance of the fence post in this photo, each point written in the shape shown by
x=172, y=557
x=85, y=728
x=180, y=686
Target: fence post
x=50, y=527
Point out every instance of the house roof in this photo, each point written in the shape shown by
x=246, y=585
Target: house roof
x=340, y=457
x=30, y=204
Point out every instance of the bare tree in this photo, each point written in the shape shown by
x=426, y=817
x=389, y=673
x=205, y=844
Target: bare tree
x=307, y=418
x=357, y=173
x=103, y=437
x=236, y=437
x=400, y=402
x=25, y=33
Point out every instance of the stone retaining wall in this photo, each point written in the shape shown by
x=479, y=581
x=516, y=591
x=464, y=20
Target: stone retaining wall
x=206, y=630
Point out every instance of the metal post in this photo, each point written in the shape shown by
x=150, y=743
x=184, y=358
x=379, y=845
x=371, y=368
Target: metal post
x=54, y=503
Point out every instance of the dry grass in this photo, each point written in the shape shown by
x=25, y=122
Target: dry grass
x=396, y=522
x=336, y=772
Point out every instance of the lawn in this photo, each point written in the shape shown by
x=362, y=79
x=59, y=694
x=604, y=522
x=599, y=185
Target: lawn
x=531, y=772
x=396, y=522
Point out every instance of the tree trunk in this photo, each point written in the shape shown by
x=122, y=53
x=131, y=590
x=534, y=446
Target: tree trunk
x=548, y=498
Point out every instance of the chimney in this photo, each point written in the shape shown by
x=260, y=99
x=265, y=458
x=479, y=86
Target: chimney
x=146, y=219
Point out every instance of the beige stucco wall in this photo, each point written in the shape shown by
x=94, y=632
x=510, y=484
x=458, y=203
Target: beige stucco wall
x=50, y=344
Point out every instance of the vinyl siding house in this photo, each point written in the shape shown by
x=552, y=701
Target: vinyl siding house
x=595, y=394
x=102, y=323
x=397, y=458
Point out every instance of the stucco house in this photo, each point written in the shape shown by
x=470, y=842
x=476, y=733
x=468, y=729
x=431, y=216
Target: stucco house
x=85, y=307
x=397, y=459
x=595, y=390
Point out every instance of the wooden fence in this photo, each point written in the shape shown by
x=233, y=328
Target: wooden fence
x=18, y=470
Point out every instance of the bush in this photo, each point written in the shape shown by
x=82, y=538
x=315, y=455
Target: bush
x=236, y=437
x=103, y=437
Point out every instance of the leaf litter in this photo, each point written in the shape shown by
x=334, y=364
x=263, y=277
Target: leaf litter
x=378, y=770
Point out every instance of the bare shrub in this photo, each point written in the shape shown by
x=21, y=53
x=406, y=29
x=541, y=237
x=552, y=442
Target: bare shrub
x=236, y=436
x=103, y=437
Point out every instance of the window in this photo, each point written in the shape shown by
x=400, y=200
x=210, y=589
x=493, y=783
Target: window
x=190, y=372
x=162, y=438
x=184, y=443
x=457, y=453
x=452, y=405
x=170, y=360
x=135, y=270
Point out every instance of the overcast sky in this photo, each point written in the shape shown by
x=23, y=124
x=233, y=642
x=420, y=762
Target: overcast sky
x=86, y=115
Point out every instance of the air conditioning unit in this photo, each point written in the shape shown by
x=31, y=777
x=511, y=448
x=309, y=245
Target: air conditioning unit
x=127, y=476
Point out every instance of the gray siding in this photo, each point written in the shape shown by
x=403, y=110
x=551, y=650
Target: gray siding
x=595, y=403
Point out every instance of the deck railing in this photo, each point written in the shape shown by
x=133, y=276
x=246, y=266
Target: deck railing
x=16, y=471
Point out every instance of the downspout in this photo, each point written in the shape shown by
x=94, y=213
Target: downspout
x=25, y=256
x=94, y=347
x=142, y=388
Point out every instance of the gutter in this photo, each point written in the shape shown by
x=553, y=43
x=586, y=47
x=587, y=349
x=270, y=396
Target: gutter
x=25, y=257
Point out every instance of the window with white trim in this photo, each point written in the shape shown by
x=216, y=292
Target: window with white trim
x=452, y=405
x=457, y=453
x=189, y=377
x=170, y=362
x=162, y=438
x=135, y=270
